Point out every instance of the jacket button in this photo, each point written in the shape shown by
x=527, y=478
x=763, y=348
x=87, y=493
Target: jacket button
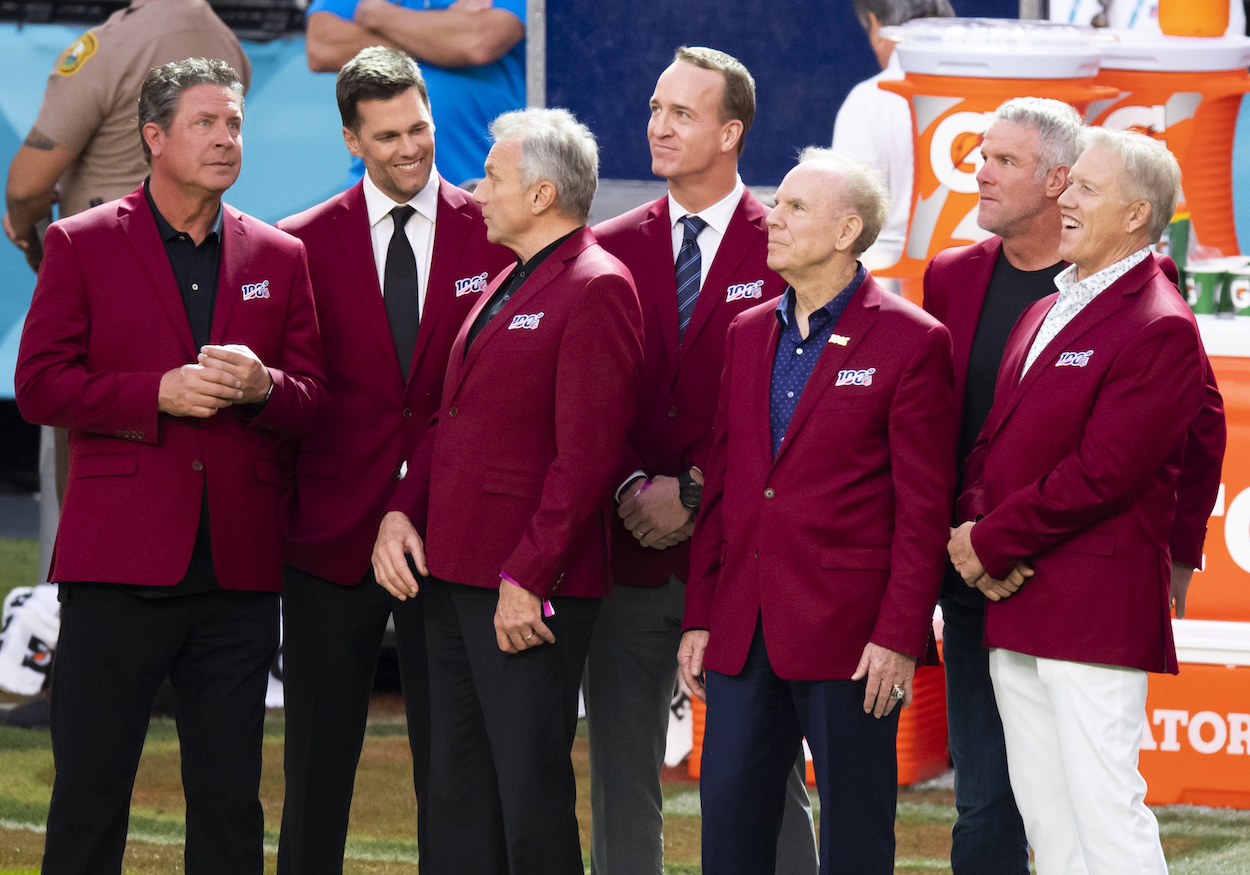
x=407, y=413
x=139, y=435
x=672, y=411
x=452, y=412
x=768, y=493
x=197, y=465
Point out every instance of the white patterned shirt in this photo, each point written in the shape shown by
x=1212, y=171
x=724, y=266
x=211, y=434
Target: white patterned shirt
x=1074, y=296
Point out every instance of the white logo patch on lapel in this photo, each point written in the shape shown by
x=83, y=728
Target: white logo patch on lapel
x=470, y=284
x=855, y=378
x=525, y=320
x=1074, y=359
x=256, y=291
x=744, y=291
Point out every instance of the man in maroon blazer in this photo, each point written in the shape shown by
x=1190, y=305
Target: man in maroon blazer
x=1074, y=477
x=389, y=315
x=978, y=292
x=817, y=556
x=175, y=338
x=515, y=479
x=700, y=113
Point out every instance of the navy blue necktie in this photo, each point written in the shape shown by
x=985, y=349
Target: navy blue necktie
x=399, y=290
x=689, y=272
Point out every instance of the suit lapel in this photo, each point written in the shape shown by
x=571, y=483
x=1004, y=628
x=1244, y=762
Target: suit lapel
x=139, y=226
x=450, y=235
x=761, y=386
x=962, y=318
x=740, y=236
x=856, y=322
x=657, y=234
x=351, y=228
x=230, y=277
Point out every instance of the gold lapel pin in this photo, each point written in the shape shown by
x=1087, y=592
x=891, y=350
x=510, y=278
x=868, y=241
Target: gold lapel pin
x=839, y=339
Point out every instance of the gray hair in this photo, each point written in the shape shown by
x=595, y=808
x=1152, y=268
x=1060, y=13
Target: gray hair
x=864, y=192
x=164, y=86
x=890, y=12
x=1148, y=172
x=557, y=148
x=1058, y=127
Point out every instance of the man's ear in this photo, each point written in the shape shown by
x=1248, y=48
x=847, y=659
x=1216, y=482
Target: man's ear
x=352, y=142
x=849, y=230
x=542, y=197
x=154, y=137
x=1138, y=216
x=1056, y=181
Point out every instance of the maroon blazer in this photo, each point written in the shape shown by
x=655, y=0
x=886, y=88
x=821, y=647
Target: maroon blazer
x=840, y=539
x=105, y=323
x=346, y=471
x=517, y=468
x=1076, y=471
x=955, y=284
x=677, y=405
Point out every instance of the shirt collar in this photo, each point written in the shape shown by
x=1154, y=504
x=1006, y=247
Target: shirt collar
x=169, y=232
x=1091, y=286
x=718, y=215
x=785, y=304
x=379, y=205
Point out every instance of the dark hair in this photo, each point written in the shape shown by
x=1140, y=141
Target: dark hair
x=376, y=73
x=890, y=12
x=738, y=101
x=163, y=88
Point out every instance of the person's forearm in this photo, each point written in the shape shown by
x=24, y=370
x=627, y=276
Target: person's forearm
x=331, y=41
x=446, y=37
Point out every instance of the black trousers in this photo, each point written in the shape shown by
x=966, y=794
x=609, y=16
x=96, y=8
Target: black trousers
x=502, y=791
x=114, y=651
x=332, y=635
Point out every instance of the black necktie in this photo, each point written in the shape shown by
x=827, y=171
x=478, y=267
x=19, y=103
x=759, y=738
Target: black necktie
x=399, y=289
x=689, y=272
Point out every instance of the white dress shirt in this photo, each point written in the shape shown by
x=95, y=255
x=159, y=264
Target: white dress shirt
x=420, y=230
x=1074, y=296
x=717, y=216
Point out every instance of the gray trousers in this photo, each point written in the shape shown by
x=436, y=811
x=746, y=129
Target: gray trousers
x=628, y=688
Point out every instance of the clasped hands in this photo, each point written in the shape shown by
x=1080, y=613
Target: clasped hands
x=653, y=512
x=965, y=560
x=220, y=376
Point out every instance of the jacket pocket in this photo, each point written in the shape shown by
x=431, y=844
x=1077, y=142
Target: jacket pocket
x=1091, y=543
x=317, y=465
x=520, y=484
x=267, y=471
x=106, y=465
x=855, y=557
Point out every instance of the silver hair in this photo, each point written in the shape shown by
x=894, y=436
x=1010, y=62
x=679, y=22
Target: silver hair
x=1058, y=128
x=555, y=147
x=163, y=87
x=864, y=192
x=1148, y=172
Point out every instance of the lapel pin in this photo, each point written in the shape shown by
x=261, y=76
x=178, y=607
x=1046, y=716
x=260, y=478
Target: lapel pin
x=839, y=339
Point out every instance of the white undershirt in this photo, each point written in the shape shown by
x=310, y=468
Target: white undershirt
x=420, y=230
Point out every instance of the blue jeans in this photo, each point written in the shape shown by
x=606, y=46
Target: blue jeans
x=988, y=838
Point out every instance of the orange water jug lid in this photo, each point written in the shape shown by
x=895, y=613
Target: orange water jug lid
x=1155, y=52
x=996, y=48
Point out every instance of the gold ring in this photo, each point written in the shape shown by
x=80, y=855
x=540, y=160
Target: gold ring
x=897, y=692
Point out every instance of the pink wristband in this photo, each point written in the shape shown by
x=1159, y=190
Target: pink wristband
x=548, y=609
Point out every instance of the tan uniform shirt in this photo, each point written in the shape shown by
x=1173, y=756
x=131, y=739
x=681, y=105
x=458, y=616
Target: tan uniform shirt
x=91, y=102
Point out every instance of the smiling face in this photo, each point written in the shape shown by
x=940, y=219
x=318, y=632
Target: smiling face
x=202, y=152
x=395, y=139
x=686, y=135
x=1011, y=193
x=1099, y=226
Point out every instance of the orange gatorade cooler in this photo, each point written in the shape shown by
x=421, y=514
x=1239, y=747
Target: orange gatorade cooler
x=1185, y=91
x=957, y=72
x=1196, y=747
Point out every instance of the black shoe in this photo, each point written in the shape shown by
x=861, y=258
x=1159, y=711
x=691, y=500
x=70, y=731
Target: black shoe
x=33, y=714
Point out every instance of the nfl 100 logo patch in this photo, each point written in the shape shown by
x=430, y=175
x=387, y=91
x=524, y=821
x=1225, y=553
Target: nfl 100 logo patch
x=254, y=291
x=1074, y=359
x=744, y=291
x=855, y=378
x=525, y=320
x=470, y=284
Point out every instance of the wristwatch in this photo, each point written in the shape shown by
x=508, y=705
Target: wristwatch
x=689, y=490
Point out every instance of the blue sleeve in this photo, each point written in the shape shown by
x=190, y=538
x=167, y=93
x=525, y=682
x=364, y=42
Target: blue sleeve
x=516, y=7
x=342, y=8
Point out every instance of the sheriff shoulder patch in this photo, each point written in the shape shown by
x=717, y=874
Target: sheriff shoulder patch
x=72, y=59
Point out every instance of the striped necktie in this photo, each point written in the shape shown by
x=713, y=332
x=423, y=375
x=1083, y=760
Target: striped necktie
x=689, y=272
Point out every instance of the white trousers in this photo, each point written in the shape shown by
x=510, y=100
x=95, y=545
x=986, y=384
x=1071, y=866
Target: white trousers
x=1073, y=732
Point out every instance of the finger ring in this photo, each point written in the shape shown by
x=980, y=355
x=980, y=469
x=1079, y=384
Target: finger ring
x=638, y=532
x=531, y=635
x=897, y=691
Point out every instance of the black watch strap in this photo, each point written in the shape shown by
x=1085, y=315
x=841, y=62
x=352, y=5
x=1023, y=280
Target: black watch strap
x=690, y=491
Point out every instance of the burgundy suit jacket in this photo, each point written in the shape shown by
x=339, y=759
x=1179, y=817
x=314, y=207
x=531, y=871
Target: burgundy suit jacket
x=105, y=323
x=516, y=469
x=955, y=284
x=677, y=405
x=840, y=539
x=1076, y=471
x=346, y=472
